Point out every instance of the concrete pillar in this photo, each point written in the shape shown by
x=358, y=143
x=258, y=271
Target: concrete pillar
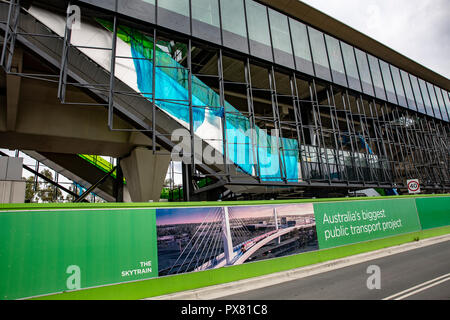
x=145, y=173
x=12, y=186
x=226, y=235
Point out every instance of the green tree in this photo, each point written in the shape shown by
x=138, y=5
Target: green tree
x=47, y=192
x=30, y=192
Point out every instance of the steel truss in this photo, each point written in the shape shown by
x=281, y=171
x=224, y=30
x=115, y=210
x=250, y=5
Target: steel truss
x=345, y=139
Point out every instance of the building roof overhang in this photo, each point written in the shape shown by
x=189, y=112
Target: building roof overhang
x=327, y=24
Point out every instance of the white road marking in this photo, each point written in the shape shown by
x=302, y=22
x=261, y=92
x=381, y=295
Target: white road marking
x=419, y=288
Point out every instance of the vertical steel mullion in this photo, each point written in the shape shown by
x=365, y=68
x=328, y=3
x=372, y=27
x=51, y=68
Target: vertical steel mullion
x=441, y=151
x=317, y=143
x=392, y=156
x=191, y=112
x=397, y=146
x=409, y=139
x=352, y=157
x=333, y=100
x=251, y=111
x=277, y=123
x=428, y=148
x=270, y=34
x=64, y=60
x=393, y=83
x=332, y=120
x=434, y=149
x=406, y=146
x=354, y=135
x=155, y=61
x=413, y=93
x=219, y=5
x=382, y=79
x=418, y=146
x=224, y=121
x=310, y=50
x=321, y=133
x=370, y=139
x=357, y=69
x=365, y=126
x=246, y=26
x=112, y=75
x=377, y=127
x=292, y=43
x=412, y=144
x=328, y=57
x=298, y=120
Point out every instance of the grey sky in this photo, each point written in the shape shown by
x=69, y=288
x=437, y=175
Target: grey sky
x=418, y=29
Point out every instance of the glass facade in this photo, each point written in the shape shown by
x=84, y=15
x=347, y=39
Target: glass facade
x=350, y=66
x=408, y=90
x=364, y=72
x=302, y=51
x=252, y=28
x=426, y=97
x=174, y=14
x=441, y=102
x=319, y=52
x=417, y=94
x=258, y=30
x=398, y=85
x=234, y=29
x=434, y=102
x=336, y=62
x=281, y=39
x=446, y=96
x=388, y=84
x=205, y=20
x=376, y=77
x=139, y=9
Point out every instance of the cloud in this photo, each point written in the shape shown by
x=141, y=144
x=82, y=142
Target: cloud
x=418, y=29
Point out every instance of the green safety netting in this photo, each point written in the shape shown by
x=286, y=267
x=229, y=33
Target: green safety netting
x=251, y=151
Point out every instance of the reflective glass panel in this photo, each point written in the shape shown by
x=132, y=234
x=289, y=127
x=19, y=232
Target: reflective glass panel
x=350, y=66
x=234, y=30
x=447, y=102
x=174, y=14
x=426, y=97
x=302, y=50
x=319, y=52
x=205, y=20
x=417, y=94
x=376, y=77
x=386, y=73
x=282, y=47
x=336, y=62
x=364, y=72
x=408, y=90
x=398, y=85
x=258, y=30
x=139, y=9
x=441, y=102
x=434, y=102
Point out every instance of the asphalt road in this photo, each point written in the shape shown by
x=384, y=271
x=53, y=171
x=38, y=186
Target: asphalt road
x=422, y=273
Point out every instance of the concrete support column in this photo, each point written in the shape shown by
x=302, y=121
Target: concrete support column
x=12, y=186
x=145, y=173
